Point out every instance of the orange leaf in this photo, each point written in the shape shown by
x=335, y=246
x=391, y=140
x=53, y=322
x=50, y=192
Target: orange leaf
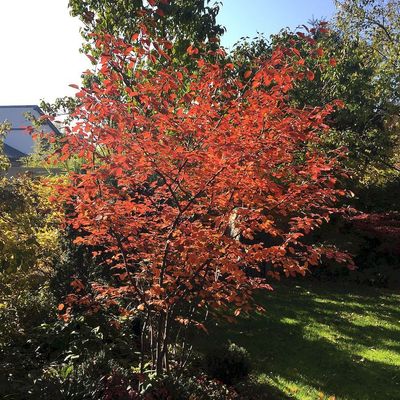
x=339, y=103
x=310, y=75
x=247, y=74
x=123, y=276
x=192, y=50
x=60, y=307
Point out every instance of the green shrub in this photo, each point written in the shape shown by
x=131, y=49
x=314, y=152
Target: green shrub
x=97, y=377
x=186, y=387
x=229, y=364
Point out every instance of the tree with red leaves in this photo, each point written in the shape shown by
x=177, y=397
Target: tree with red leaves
x=191, y=183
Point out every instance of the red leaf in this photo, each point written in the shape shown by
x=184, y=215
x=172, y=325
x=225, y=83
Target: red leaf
x=297, y=52
x=310, y=75
x=192, y=50
x=123, y=276
x=247, y=74
x=91, y=58
x=339, y=103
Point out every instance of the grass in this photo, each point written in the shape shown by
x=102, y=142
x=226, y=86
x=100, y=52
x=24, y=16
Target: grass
x=322, y=341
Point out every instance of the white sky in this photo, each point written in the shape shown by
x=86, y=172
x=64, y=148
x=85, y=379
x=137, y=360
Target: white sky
x=40, y=42
x=40, y=56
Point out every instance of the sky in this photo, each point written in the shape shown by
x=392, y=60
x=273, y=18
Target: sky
x=247, y=17
x=40, y=41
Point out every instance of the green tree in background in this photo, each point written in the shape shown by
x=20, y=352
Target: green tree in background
x=375, y=24
x=344, y=68
x=182, y=21
x=374, y=27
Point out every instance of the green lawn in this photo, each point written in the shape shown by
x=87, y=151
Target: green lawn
x=322, y=341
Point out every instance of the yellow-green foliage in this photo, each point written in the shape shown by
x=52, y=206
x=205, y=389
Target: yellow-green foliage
x=4, y=161
x=29, y=235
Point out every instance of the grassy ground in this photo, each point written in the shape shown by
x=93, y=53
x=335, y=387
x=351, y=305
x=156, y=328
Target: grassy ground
x=323, y=341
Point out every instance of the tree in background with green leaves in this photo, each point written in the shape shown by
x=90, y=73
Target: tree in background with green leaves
x=375, y=25
x=183, y=22
x=351, y=70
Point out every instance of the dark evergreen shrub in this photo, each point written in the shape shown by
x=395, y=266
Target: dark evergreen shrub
x=229, y=364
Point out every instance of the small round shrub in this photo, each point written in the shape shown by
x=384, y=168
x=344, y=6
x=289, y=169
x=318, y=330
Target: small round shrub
x=229, y=364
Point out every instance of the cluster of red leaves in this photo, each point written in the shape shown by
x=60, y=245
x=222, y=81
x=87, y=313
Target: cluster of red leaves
x=383, y=226
x=188, y=174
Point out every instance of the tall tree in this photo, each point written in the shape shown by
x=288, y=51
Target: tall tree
x=345, y=68
x=375, y=24
x=373, y=28
x=191, y=182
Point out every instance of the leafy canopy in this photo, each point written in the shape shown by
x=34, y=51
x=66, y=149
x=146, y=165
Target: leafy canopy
x=183, y=22
x=192, y=180
x=345, y=68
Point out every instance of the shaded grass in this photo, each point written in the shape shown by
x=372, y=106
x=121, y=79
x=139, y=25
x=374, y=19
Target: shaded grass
x=321, y=341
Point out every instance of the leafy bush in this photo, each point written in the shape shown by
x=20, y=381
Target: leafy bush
x=186, y=387
x=22, y=311
x=378, y=256
x=374, y=241
x=29, y=234
x=97, y=377
x=229, y=364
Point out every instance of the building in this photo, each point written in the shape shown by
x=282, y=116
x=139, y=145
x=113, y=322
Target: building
x=18, y=143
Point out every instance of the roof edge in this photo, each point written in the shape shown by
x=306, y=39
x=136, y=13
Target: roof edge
x=37, y=109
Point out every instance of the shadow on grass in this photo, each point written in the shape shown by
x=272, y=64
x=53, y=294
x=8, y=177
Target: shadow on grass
x=316, y=337
x=254, y=390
